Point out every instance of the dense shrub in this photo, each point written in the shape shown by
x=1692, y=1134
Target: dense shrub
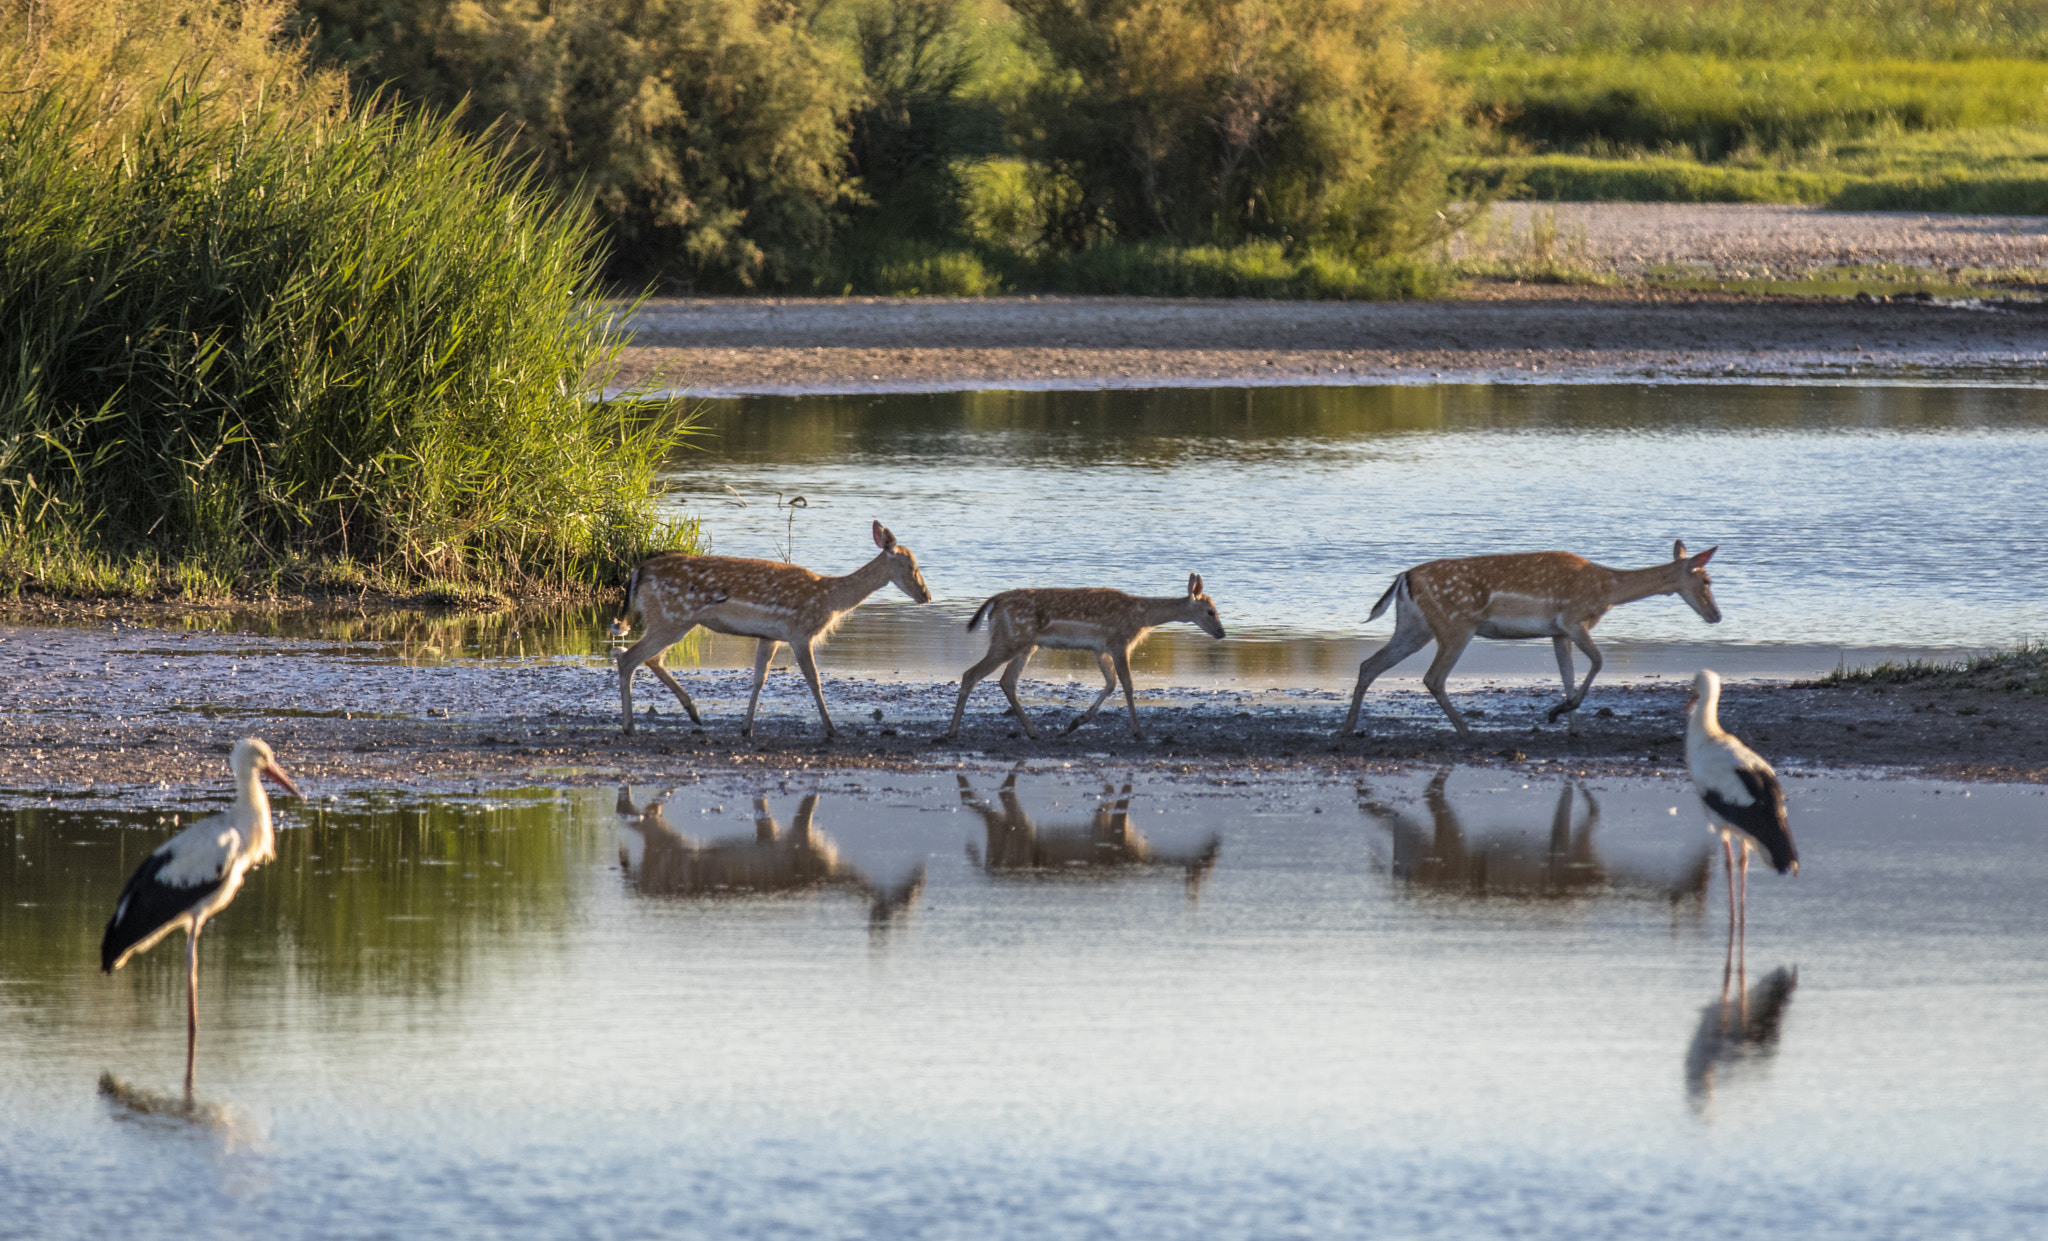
x=1216, y=120
x=711, y=134
x=236, y=340
x=109, y=56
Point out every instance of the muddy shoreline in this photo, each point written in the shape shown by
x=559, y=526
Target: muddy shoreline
x=1497, y=334
x=129, y=714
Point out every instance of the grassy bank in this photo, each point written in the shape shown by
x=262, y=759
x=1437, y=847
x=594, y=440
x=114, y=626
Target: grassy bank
x=1930, y=105
x=261, y=351
x=2021, y=670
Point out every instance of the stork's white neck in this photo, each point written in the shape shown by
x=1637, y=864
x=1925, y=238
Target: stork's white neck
x=1704, y=724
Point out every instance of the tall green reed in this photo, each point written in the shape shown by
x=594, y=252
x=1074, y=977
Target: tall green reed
x=246, y=341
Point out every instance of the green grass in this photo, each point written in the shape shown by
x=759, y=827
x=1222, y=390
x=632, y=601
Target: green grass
x=1933, y=30
x=2021, y=670
x=1910, y=105
x=267, y=352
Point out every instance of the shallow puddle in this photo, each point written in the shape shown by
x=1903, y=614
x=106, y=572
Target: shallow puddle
x=1003, y=1002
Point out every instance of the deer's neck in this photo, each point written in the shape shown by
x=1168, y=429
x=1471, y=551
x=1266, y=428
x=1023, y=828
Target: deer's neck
x=1152, y=613
x=1629, y=585
x=843, y=594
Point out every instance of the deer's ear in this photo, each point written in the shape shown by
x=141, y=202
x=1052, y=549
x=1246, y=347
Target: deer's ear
x=1678, y=549
x=1705, y=556
x=883, y=539
x=1194, y=584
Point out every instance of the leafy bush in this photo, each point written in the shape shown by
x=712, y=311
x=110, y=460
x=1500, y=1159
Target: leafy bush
x=110, y=55
x=711, y=134
x=1215, y=120
x=249, y=341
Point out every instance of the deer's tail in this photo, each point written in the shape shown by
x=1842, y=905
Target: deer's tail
x=981, y=611
x=624, y=622
x=1398, y=590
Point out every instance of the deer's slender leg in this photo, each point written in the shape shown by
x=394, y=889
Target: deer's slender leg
x=1108, y=687
x=1010, y=675
x=808, y=662
x=1411, y=634
x=1582, y=639
x=763, y=652
x=1448, y=648
x=1563, y=646
x=1123, y=673
x=650, y=645
x=985, y=665
x=659, y=667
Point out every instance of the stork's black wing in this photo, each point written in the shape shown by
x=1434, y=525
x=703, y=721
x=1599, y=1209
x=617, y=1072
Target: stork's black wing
x=146, y=904
x=1763, y=819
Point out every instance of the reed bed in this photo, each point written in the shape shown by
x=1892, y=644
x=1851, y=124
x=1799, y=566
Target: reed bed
x=257, y=351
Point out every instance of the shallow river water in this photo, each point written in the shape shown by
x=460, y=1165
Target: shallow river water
x=1854, y=523
x=993, y=1003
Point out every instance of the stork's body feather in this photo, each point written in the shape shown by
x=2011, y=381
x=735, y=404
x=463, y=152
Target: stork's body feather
x=1738, y=788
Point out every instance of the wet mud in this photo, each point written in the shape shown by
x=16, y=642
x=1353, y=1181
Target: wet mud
x=117, y=712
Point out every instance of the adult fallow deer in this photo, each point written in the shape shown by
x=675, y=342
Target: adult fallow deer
x=1553, y=595
x=762, y=599
x=1107, y=622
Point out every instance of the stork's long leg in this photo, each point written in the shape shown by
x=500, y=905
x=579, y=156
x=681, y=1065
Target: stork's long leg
x=191, y=1001
x=1742, y=932
x=1728, y=857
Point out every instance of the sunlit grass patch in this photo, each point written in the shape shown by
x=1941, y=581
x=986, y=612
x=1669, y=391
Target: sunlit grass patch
x=2022, y=669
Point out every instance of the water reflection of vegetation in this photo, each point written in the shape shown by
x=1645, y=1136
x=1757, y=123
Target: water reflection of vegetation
x=1440, y=855
x=1738, y=1032
x=663, y=862
x=1180, y=424
x=566, y=629
x=387, y=895
x=1105, y=845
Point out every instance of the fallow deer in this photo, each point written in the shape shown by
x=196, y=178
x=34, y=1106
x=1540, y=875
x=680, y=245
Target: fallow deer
x=762, y=599
x=664, y=862
x=1017, y=845
x=1107, y=622
x=1553, y=595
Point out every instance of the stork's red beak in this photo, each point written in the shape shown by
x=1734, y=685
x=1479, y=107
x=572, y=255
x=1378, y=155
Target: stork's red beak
x=284, y=781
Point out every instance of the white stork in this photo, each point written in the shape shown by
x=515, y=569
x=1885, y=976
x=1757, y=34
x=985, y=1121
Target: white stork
x=193, y=875
x=1742, y=795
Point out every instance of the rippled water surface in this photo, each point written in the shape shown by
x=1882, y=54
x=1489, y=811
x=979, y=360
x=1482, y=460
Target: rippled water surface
x=1853, y=522
x=1018, y=1004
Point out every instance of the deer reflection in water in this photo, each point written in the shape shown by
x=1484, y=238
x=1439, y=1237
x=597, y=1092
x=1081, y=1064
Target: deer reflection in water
x=1440, y=854
x=1105, y=844
x=1738, y=1031
x=664, y=862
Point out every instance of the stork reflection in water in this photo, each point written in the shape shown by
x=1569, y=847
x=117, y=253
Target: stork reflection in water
x=1738, y=1031
x=1440, y=853
x=1106, y=842
x=664, y=862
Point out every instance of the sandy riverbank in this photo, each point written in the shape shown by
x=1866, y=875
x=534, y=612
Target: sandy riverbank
x=122, y=713
x=1513, y=333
